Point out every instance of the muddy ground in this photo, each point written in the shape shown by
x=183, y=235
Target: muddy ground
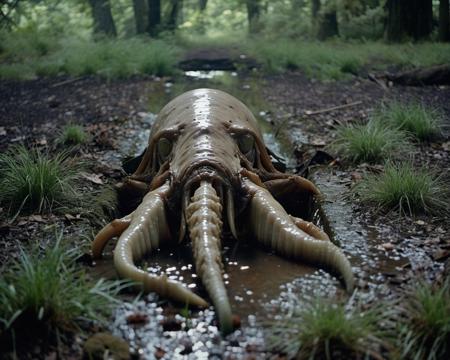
x=298, y=111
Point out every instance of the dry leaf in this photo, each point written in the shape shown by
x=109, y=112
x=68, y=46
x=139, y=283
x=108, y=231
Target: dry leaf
x=95, y=178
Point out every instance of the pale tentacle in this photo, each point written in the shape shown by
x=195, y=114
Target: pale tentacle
x=272, y=226
x=148, y=225
x=310, y=229
x=114, y=228
x=205, y=227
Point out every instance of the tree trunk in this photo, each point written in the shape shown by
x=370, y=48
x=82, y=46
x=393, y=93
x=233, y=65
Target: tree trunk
x=328, y=23
x=444, y=21
x=103, y=20
x=140, y=16
x=154, y=17
x=315, y=8
x=174, y=14
x=202, y=5
x=253, y=13
x=408, y=19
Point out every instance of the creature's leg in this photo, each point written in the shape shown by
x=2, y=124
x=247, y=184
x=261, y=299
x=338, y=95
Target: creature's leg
x=114, y=228
x=286, y=183
x=310, y=229
x=273, y=227
x=147, y=228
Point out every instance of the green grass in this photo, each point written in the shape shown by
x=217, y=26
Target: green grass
x=43, y=292
x=334, y=60
x=73, y=134
x=373, y=142
x=323, y=330
x=406, y=189
x=425, y=329
x=31, y=180
x=109, y=58
x=421, y=122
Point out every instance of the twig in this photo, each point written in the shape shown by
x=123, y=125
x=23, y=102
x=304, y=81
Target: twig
x=66, y=81
x=378, y=81
x=339, y=107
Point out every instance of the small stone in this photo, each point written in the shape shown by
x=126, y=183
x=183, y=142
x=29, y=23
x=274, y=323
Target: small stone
x=101, y=344
x=388, y=246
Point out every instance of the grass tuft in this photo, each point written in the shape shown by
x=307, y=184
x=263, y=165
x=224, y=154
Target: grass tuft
x=425, y=331
x=421, y=122
x=406, y=189
x=45, y=292
x=323, y=330
x=373, y=142
x=31, y=180
x=73, y=134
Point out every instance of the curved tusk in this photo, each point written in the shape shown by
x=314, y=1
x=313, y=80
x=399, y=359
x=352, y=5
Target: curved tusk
x=230, y=213
x=274, y=227
x=205, y=227
x=147, y=226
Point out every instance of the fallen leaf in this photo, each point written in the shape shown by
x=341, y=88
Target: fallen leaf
x=37, y=218
x=441, y=254
x=137, y=318
x=93, y=178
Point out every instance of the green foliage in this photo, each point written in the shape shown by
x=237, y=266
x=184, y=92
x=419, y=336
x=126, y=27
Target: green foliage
x=22, y=58
x=367, y=26
x=47, y=291
x=421, y=122
x=372, y=142
x=406, y=189
x=333, y=60
x=73, y=134
x=425, y=329
x=323, y=331
x=34, y=181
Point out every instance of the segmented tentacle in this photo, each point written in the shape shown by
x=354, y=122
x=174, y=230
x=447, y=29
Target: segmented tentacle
x=272, y=226
x=205, y=227
x=148, y=225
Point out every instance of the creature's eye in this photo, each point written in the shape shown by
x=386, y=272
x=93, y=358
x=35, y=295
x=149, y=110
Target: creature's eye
x=246, y=143
x=164, y=148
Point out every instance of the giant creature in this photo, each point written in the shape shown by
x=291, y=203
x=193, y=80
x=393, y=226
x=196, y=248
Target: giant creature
x=206, y=168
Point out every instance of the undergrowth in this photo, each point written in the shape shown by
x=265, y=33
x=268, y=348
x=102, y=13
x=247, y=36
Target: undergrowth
x=425, y=329
x=23, y=57
x=334, y=60
x=372, y=142
x=35, y=181
x=406, y=189
x=44, y=293
x=421, y=122
x=73, y=134
x=323, y=330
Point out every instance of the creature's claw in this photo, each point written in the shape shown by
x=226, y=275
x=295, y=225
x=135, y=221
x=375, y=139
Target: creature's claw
x=310, y=229
x=114, y=228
